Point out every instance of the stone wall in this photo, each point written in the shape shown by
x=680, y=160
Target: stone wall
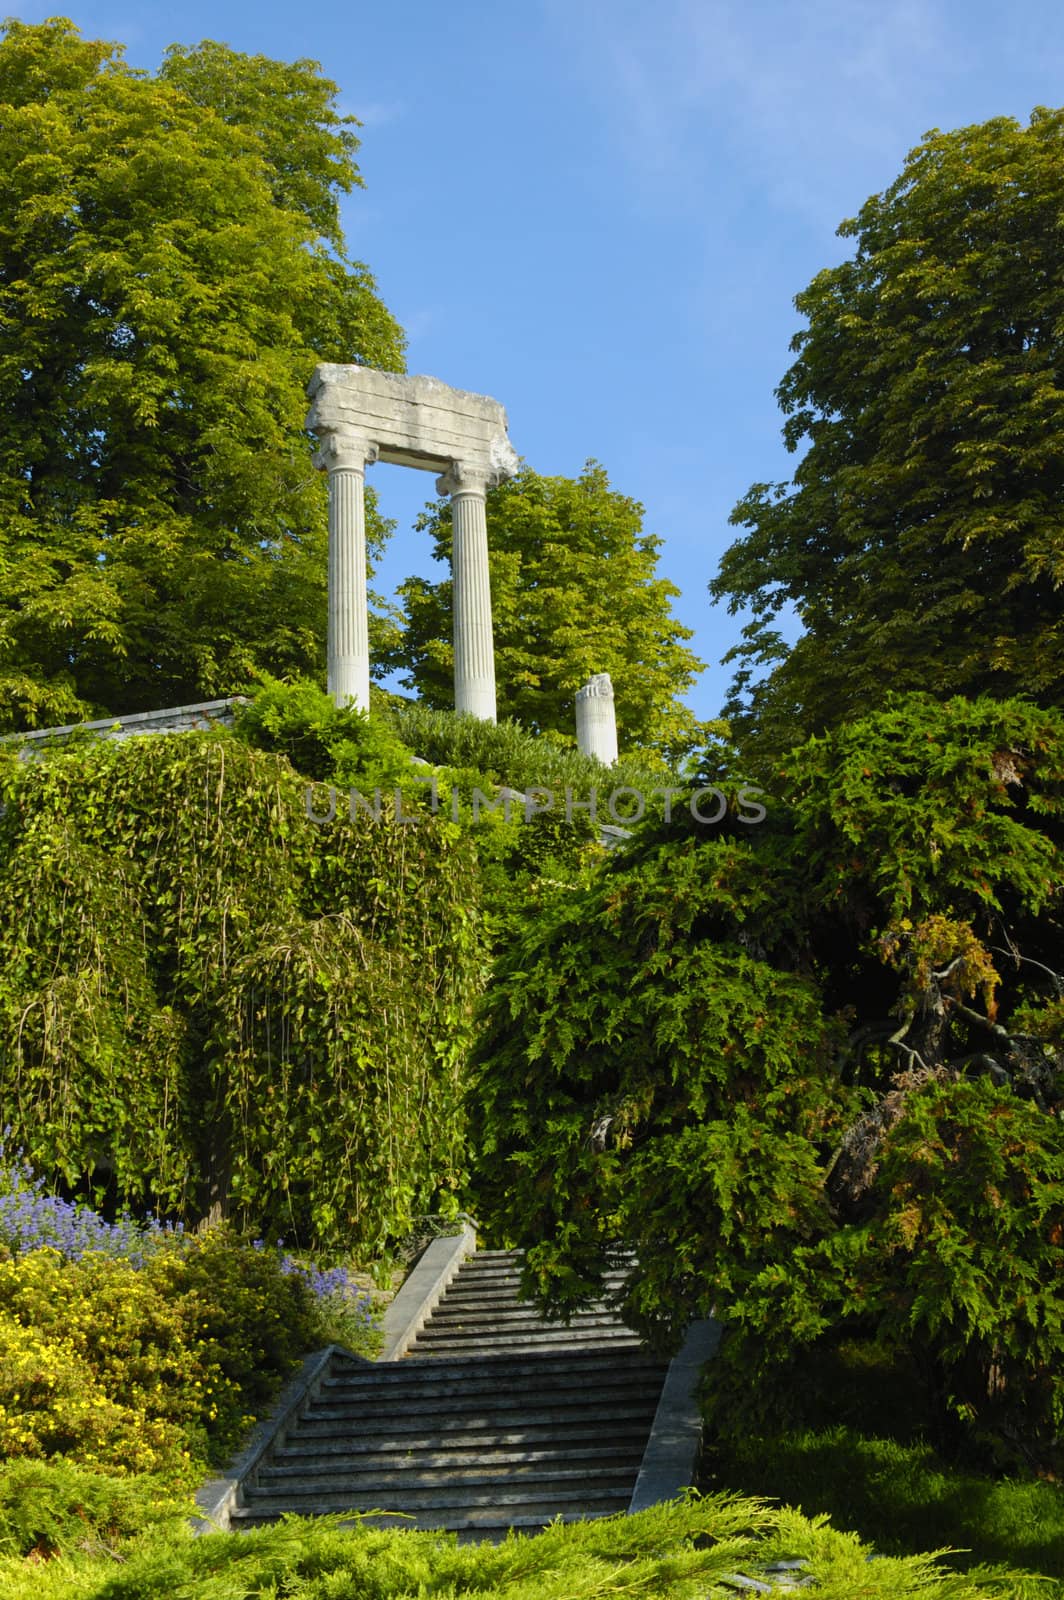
x=174, y=719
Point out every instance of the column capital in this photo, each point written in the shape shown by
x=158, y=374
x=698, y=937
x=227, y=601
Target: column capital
x=462, y=477
x=341, y=450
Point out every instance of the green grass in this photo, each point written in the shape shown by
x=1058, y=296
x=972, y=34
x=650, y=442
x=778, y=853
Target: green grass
x=852, y=1444
x=902, y=1497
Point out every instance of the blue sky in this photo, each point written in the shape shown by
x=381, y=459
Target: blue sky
x=599, y=211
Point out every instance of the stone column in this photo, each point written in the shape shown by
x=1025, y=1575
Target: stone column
x=344, y=458
x=596, y=720
x=474, y=649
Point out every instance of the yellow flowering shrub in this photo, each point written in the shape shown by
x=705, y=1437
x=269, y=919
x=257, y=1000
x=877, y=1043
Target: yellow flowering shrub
x=146, y=1369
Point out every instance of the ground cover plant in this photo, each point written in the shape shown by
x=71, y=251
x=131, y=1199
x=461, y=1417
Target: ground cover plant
x=856, y=1447
x=55, y=1507
x=678, y=1551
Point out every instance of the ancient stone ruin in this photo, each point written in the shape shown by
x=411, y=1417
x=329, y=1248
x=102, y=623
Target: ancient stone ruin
x=360, y=416
x=596, y=719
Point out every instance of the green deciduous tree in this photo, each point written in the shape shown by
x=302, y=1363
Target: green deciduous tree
x=922, y=537
x=575, y=591
x=171, y=268
x=809, y=1069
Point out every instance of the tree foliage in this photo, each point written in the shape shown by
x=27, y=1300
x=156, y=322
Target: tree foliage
x=920, y=540
x=810, y=1074
x=171, y=268
x=574, y=591
x=209, y=1000
x=324, y=741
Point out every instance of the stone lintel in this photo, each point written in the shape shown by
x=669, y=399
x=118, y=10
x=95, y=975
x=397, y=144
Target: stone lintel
x=412, y=421
x=412, y=458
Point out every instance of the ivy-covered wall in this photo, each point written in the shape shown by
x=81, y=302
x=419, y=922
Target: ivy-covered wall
x=206, y=1000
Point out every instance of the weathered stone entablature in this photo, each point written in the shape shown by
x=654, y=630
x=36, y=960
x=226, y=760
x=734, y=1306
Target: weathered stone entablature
x=361, y=416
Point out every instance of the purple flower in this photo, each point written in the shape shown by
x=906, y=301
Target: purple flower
x=30, y=1219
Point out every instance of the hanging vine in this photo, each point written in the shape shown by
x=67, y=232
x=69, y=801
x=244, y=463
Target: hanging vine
x=206, y=999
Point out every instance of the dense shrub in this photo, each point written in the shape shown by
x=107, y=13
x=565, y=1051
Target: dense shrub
x=320, y=739
x=209, y=1001
x=57, y=1508
x=811, y=1073
x=145, y=1369
x=100, y=1367
x=648, y=1093
x=505, y=752
x=140, y=1348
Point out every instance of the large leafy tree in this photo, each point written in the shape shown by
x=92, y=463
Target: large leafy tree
x=575, y=591
x=812, y=1071
x=171, y=268
x=921, y=540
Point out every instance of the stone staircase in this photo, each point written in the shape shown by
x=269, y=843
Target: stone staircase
x=496, y=1419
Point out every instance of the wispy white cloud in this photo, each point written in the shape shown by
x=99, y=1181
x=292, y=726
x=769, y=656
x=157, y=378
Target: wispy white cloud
x=790, y=96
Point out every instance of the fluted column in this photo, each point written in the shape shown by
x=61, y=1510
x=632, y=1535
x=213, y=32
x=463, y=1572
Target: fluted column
x=596, y=719
x=474, y=649
x=344, y=458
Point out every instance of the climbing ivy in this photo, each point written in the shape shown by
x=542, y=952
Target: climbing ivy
x=208, y=1000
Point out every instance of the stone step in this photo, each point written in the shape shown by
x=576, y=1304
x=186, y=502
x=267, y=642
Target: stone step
x=481, y=1443
x=426, y=1454
x=541, y=1498
x=523, y=1425
x=487, y=1257
x=429, y=1389
x=469, y=1275
x=533, y=1339
x=594, y=1400
x=506, y=1308
x=474, y=1523
x=519, y=1314
x=495, y=1419
x=489, y=1412
x=441, y=1397
x=542, y=1365
x=508, y=1285
x=411, y=1482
